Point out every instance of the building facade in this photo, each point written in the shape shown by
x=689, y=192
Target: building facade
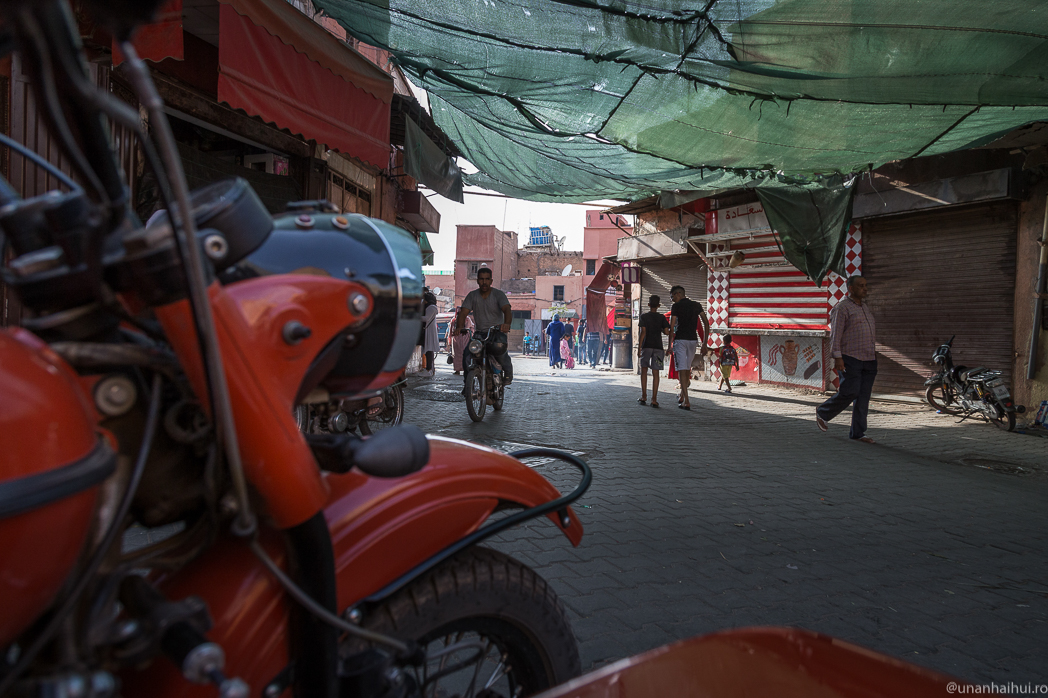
x=949, y=246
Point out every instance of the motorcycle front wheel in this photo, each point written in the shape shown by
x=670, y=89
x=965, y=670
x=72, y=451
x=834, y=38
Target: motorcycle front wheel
x=489, y=604
x=499, y=397
x=938, y=397
x=389, y=414
x=476, y=400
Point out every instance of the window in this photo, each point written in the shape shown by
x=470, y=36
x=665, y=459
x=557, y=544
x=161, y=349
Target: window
x=591, y=267
x=602, y=216
x=473, y=267
x=558, y=293
x=521, y=314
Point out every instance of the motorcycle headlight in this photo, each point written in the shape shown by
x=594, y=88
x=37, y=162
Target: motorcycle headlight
x=475, y=346
x=385, y=259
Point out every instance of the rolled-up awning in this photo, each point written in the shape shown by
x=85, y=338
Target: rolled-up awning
x=276, y=63
x=159, y=40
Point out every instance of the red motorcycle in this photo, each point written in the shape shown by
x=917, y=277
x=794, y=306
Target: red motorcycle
x=154, y=382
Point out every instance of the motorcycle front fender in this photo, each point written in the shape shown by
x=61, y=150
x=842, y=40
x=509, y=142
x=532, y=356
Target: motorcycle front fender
x=934, y=380
x=380, y=529
x=387, y=526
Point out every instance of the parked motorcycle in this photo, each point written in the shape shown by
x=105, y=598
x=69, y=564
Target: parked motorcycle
x=366, y=414
x=484, y=377
x=140, y=390
x=970, y=391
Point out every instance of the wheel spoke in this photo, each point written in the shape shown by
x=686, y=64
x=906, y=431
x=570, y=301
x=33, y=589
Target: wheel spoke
x=501, y=669
x=476, y=668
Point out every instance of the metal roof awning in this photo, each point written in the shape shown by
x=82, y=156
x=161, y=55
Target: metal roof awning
x=407, y=107
x=427, y=249
x=640, y=206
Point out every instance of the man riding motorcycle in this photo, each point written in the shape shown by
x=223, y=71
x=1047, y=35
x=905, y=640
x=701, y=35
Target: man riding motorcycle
x=488, y=305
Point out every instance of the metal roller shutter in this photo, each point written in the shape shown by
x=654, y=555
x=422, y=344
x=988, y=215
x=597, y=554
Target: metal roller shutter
x=936, y=274
x=656, y=278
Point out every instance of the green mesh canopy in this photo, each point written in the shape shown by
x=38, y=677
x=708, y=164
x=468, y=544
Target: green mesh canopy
x=574, y=100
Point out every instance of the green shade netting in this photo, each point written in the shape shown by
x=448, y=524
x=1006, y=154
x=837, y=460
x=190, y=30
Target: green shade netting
x=426, y=162
x=574, y=100
x=811, y=222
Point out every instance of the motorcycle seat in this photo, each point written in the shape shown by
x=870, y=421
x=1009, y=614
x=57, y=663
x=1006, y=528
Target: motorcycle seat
x=971, y=372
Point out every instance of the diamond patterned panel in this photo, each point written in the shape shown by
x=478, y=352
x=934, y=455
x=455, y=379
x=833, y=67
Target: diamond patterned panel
x=852, y=265
x=838, y=284
x=717, y=307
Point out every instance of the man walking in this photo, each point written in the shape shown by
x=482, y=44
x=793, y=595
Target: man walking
x=491, y=309
x=684, y=338
x=854, y=350
x=653, y=325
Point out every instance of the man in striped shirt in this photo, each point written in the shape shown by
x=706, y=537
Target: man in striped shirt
x=853, y=345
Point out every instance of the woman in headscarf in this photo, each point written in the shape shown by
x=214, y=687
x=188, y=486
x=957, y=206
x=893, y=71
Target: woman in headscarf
x=459, y=341
x=555, y=331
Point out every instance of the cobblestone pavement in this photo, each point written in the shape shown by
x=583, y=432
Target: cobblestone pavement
x=929, y=545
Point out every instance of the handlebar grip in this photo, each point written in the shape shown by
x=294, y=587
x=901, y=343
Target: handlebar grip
x=395, y=452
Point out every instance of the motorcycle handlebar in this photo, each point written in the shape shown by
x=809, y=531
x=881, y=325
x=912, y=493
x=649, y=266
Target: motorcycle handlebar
x=394, y=452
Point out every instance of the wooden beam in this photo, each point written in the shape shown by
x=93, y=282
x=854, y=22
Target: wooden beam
x=200, y=106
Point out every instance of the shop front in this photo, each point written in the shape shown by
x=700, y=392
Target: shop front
x=777, y=317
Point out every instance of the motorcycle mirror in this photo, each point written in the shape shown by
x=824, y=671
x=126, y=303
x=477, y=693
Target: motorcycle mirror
x=395, y=452
x=950, y=343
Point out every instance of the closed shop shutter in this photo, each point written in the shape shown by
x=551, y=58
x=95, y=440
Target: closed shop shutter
x=656, y=278
x=937, y=274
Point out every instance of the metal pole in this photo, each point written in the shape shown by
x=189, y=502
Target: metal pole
x=1038, y=303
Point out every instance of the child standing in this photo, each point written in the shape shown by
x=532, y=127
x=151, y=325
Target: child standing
x=729, y=359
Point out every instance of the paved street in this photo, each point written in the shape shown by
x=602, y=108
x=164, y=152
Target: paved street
x=929, y=545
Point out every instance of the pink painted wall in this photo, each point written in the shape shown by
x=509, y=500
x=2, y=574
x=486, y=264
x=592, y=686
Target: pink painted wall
x=574, y=293
x=495, y=248
x=600, y=238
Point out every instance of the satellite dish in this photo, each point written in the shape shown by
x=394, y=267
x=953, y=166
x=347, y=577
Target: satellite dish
x=436, y=291
x=566, y=271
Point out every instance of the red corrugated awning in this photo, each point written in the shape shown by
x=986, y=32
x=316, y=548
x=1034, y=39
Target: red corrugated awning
x=266, y=77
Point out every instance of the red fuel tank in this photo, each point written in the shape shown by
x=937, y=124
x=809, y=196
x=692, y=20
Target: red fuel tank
x=51, y=463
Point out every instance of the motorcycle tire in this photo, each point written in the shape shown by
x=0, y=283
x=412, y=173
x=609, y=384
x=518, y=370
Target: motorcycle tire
x=937, y=398
x=499, y=398
x=486, y=596
x=476, y=400
x=1006, y=422
x=392, y=412
x=303, y=418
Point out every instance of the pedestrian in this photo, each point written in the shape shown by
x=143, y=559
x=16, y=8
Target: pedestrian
x=580, y=342
x=593, y=348
x=605, y=352
x=555, y=330
x=459, y=342
x=527, y=343
x=431, y=340
x=853, y=346
x=685, y=315
x=567, y=360
x=729, y=359
x=649, y=347
x=569, y=335
x=492, y=311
